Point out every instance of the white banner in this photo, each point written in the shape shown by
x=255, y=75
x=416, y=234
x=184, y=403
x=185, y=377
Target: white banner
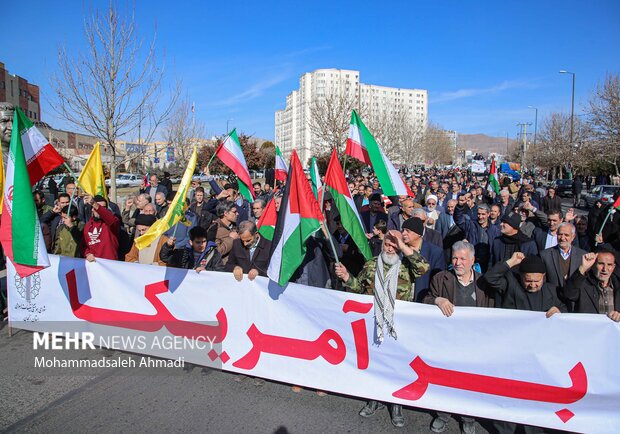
x=560, y=372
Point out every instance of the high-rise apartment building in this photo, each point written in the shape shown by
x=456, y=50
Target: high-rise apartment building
x=292, y=125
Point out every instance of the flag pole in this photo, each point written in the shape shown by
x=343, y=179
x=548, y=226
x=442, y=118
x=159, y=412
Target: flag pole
x=331, y=242
x=609, y=213
x=76, y=181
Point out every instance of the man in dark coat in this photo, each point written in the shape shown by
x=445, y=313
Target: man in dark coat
x=374, y=214
x=512, y=240
x=551, y=200
x=480, y=233
x=563, y=260
x=201, y=254
x=250, y=253
x=458, y=287
x=204, y=218
x=594, y=287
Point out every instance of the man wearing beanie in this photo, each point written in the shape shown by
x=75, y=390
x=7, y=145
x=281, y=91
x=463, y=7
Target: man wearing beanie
x=526, y=291
x=150, y=254
x=101, y=231
x=413, y=236
x=511, y=240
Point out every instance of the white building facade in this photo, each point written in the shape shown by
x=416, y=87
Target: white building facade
x=292, y=125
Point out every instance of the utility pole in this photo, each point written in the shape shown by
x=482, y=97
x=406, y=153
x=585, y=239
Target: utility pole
x=523, y=126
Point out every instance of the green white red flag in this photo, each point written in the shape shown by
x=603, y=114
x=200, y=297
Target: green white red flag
x=231, y=154
x=493, y=184
x=299, y=218
x=317, y=185
x=363, y=146
x=281, y=171
x=336, y=184
x=20, y=229
x=267, y=222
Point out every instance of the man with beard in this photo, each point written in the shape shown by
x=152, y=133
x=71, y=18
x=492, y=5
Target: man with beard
x=512, y=240
x=149, y=254
x=53, y=217
x=388, y=279
x=250, y=253
x=594, y=287
x=547, y=236
x=101, y=231
x=161, y=205
x=405, y=211
x=495, y=214
x=458, y=287
x=446, y=219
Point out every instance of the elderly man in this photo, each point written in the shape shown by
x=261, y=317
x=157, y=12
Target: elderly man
x=562, y=260
x=149, y=209
x=511, y=240
x=6, y=127
x=505, y=202
x=154, y=188
x=446, y=219
x=401, y=213
x=149, y=254
x=101, y=231
x=258, y=206
x=161, y=205
x=388, y=279
x=458, y=287
x=250, y=253
x=430, y=235
x=594, y=287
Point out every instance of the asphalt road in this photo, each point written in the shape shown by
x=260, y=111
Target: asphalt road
x=193, y=400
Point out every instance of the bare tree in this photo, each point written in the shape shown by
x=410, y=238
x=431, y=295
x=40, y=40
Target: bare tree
x=437, y=147
x=400, y=137
x=115, y=86
x=330, y=118
x=182, y=132
x=605, y=120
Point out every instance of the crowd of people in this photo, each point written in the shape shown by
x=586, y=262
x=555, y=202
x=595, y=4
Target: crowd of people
x=456, y=243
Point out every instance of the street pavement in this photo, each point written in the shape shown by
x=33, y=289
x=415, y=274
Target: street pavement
x=190, y=400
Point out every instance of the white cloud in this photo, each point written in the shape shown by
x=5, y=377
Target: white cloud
x=468, y=93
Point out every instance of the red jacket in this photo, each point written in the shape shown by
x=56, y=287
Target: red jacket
x=101, y=237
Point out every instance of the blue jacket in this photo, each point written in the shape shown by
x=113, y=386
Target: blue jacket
x=434, y=257
x=474, y=233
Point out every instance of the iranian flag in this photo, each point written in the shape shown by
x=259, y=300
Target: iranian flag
x=360, y=140
x=281, y=169
x=298, y=219
x=356, y=142
x=493, y=184
x=317, y=185
x=267, y=222
x=231, y=154
x=41, y=157
x=336, y=184
x=23, y=241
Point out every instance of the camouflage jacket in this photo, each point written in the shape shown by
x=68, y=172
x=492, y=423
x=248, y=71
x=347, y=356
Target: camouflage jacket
x=411, y=267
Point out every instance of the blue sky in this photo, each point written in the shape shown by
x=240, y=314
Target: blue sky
x=483, y=62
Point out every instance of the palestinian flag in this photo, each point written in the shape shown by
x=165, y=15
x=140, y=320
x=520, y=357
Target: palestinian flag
x=23, y=241
x=41, y=157
x=362, y=141
x=299, y=217
x=231, y=154
x=336, y=184
x=317, y=185
x=493, y=184
x=267, y=222
x=281, y=169
x=356, y=142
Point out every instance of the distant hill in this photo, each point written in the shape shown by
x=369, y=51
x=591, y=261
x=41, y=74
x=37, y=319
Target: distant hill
x=484, y=144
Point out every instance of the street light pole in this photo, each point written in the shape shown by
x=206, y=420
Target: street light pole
x=572, y=109
x=535, y=123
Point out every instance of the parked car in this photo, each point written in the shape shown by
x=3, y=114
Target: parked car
x=563, y=187
x=604, y=193
x=124, y=180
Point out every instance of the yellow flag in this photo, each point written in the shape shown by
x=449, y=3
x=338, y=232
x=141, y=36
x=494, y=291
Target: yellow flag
x=92, y=179
x=176, y=211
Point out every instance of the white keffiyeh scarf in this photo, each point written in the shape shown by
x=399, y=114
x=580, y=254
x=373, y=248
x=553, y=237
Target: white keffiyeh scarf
x=385, y=297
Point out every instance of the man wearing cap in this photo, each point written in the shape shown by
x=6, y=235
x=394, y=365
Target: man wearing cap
x=480, y=233
x=388, y=279
x=594, y=287
x=511, y=240
x=374, y=214
x=149, y=254
x=413, y=230
x=527, y=291
x=101, y=231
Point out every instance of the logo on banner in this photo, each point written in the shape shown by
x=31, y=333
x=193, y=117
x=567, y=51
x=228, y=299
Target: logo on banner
x=28, y=287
